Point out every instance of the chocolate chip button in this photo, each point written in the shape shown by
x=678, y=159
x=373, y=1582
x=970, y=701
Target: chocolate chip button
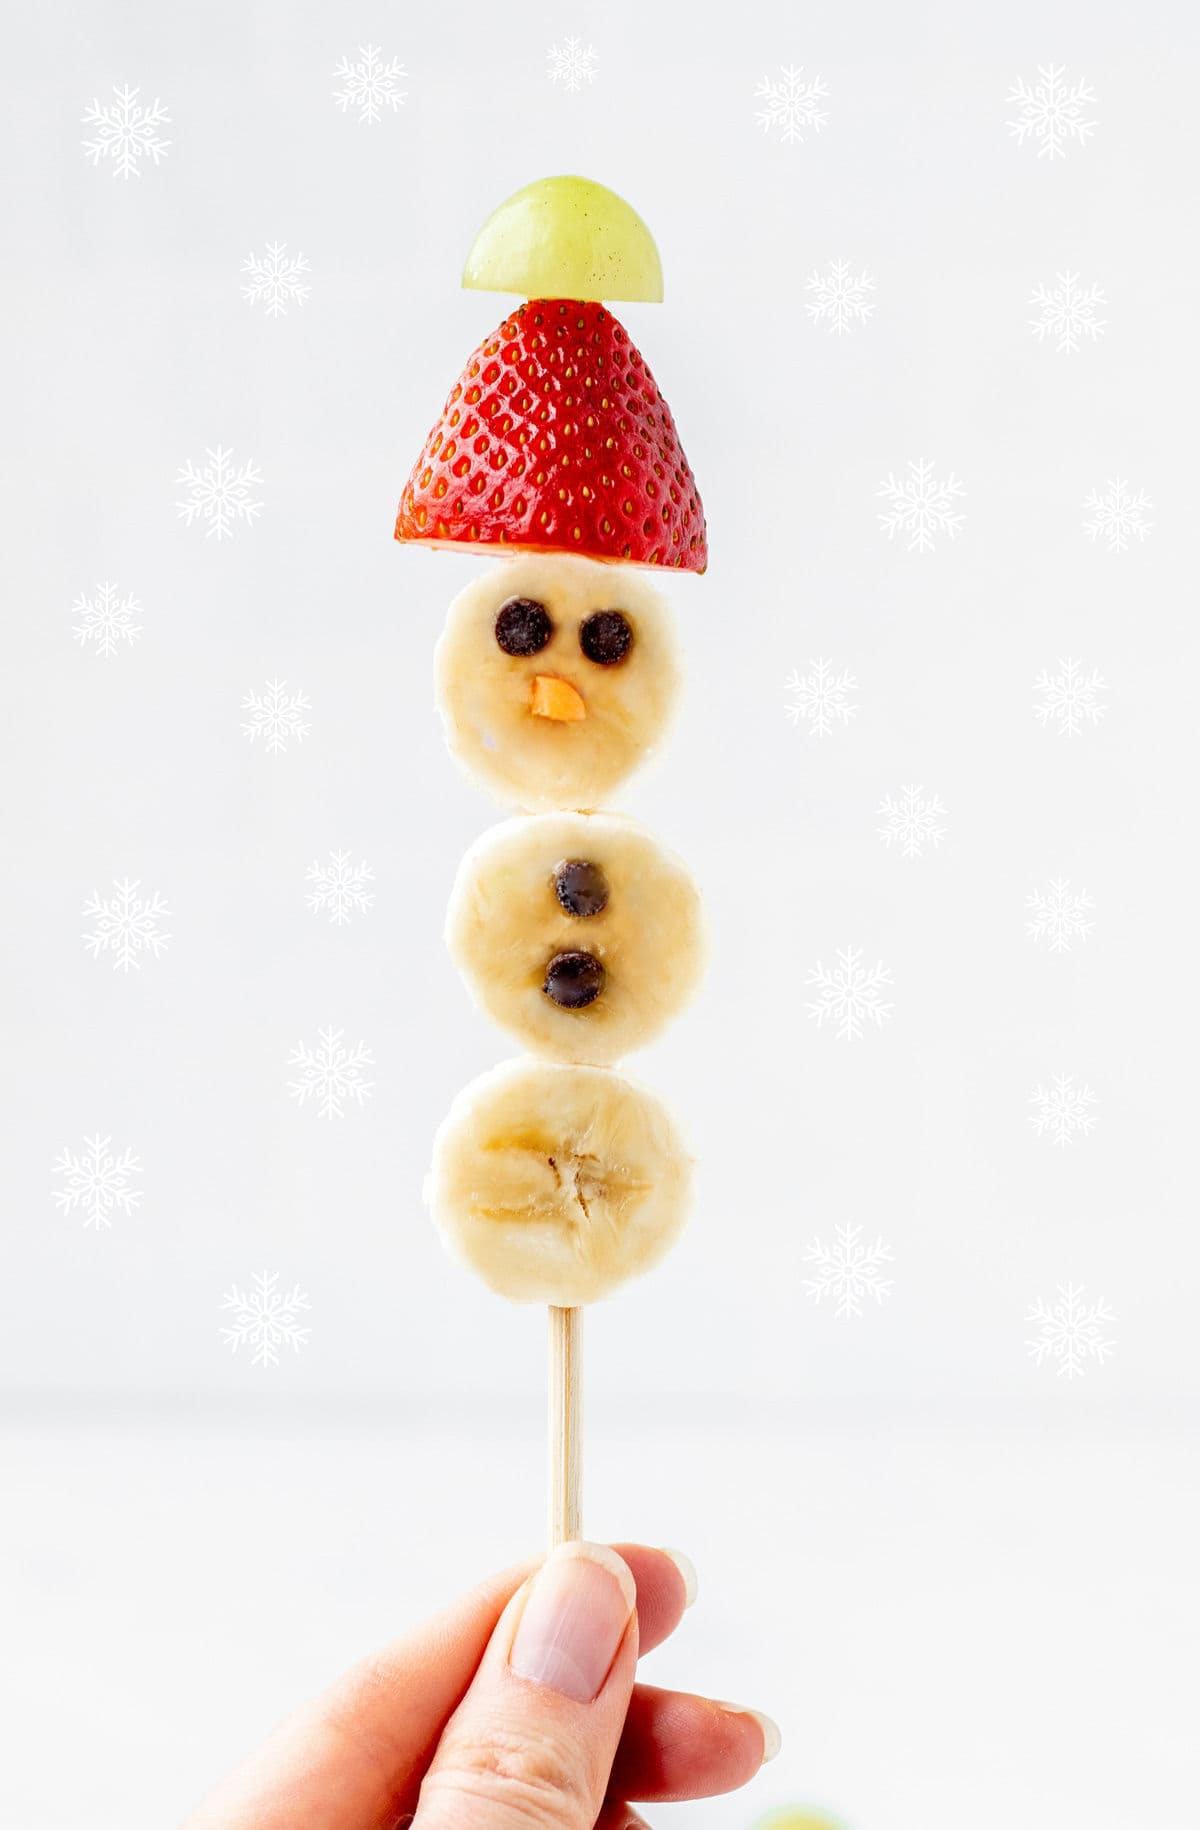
x=581, y=887
x=574, y=979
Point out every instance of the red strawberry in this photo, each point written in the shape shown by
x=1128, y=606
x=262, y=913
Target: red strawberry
x=556, y=437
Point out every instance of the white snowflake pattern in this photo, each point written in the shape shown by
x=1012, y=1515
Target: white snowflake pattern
x=1070, y=1331
x=370, y=85
x=912, y=822
x=339, y=887
x=265, y=1318
x=921, y=506
x=1059, y=915
x=1069, y=697
x=820, y=697
x=126, y=925
x=97, y=1182
x=1049, y=113
x=126, y=132
x=107, y=619
x=571, y=63
x=1063, y=1110
x=331, y=1074
x=219, y=494
x=1067, y=312
x=791, y=104
x=1118, y=515
x=840, y=297
x=275, y=279
x=848, y=996
x=275, y=716
x=848, y=1271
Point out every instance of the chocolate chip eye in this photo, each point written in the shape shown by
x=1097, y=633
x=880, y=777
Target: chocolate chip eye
x=605, y=637
x=522, y=626
x=581, y=887
x=574, y=979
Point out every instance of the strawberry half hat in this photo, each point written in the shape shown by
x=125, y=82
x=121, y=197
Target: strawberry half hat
x=555, y=437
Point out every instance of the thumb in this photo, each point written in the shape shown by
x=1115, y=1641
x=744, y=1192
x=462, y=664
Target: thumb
x=532, y=1742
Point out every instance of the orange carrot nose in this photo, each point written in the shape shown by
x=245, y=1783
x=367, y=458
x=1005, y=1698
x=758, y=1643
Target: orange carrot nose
x=555, y=698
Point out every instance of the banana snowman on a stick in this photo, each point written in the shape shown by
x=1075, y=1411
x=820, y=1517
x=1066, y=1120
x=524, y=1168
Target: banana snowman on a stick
x=554, y=1177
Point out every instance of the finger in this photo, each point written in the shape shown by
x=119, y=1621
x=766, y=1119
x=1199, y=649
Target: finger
x=676, y=1746
x=617, y=1816
x=666, y=1586
x=362, y=1746
x=531, y=1745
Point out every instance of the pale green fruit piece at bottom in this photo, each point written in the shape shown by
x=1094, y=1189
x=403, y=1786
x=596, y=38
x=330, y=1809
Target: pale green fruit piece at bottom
x=788, y=1819
x=565, y=238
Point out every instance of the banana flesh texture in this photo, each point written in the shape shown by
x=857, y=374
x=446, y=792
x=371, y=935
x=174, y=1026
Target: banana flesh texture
x=506, y=923
x=556, y=1183
x=485, y=695
x=556, y=1179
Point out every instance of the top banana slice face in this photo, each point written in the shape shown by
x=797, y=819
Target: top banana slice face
x=555, y=677
x=557, y=1184
x=578, y=932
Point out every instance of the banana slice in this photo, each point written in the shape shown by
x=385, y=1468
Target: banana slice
x=556, y=1184
x=555, y=677
x=578, y=932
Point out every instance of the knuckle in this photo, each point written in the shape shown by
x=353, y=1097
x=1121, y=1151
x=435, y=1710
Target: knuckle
x=528, y=1784
x=616, y=1816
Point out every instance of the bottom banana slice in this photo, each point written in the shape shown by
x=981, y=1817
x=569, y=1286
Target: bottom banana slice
x=556, y=1184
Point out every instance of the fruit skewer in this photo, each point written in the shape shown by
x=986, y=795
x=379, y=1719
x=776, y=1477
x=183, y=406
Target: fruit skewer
x=564, y=1423
x=553, y=1176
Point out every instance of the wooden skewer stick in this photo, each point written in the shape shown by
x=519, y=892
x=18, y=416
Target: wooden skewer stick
x=565, y=1391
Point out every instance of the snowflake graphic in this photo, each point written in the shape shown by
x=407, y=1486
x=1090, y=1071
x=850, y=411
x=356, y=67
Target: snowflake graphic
x=126, y=925
x=107, y=619
x=1069, y=697
x=219, y=494
x=1070, y=1331
x=849, y=995
x=339, y=887
x=97, y=1182
x=1066, y=312
x=275, y=279
x=370, y=85
x=848, y=1271
x=820, y=697
x=1117, y=515
x=331, y=1074
x=264, y=1318
x=791, y=104
x=912, y=822
x=921, y=506
x=571, y=63
x=1059, y=914
x=275, y=717
x=1051, y=114
x=840, y=297
x=1062, y=1110
x=126, y=132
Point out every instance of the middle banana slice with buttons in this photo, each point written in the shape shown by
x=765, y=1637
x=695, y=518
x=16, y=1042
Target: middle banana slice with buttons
x=579, y=933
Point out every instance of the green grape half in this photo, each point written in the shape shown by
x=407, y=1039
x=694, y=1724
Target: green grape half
x=789, y=1818
x=565, y=238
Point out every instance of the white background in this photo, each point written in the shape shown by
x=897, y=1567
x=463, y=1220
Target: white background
x=958, y=1580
